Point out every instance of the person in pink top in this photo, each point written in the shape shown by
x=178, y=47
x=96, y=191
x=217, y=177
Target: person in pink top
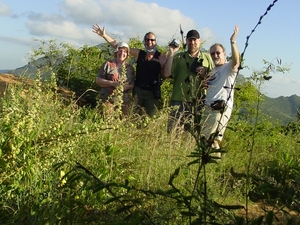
x=114, y=73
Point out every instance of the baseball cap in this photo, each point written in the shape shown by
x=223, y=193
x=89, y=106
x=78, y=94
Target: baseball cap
x=192, y=34
x=122, y=45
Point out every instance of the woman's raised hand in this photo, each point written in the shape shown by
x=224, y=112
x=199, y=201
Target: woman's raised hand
x=98, y=30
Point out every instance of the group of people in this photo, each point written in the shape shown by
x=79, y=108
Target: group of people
x=203, y=83
x=149, y=66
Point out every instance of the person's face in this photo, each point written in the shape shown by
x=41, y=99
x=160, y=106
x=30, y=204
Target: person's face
x=150, y=41
x=122, y=54
x=218, y=55
x=193, y=44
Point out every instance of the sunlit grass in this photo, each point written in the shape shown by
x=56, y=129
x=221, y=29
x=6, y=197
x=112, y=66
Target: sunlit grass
x=38, y=131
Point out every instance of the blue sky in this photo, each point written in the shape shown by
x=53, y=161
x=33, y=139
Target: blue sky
x=70, y=21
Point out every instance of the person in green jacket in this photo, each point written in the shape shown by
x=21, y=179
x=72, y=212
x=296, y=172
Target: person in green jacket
x=188, y=70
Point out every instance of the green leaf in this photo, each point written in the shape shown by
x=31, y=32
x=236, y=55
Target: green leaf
x=184, y=213
x=269, y=219
x=173, y=176
x=196, y=161
x=239, y=221
x=171, y=191
x=137, y=220
x=258, y=221
x=123, y=209
x=112, y=200
x=160, y=192
x=237, y=175
x=231, y=206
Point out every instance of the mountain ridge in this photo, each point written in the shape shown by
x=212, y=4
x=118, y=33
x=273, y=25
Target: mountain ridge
x=284, y=109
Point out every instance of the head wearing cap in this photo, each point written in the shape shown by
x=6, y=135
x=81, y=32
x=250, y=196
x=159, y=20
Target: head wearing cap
x=193, y=34
x=122, y=45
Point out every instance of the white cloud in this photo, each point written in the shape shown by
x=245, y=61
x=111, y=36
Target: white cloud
x=4, y=9
x=281, y=83
x=83, y=11
x=123, y=19
x=137, y=18
x=64, y=29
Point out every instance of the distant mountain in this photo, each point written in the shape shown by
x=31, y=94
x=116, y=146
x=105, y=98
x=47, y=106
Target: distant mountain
x=4, y=71
x=283, y=109
x=28, y=70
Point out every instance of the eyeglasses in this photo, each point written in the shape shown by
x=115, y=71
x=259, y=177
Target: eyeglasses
x=150, y=39
x=217, y=52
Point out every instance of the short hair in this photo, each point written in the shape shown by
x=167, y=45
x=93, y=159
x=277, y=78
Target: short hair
x=217, y=44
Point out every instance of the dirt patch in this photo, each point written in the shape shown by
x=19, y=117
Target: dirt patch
x=281, y=217
x=7, y=79
x=10, y=79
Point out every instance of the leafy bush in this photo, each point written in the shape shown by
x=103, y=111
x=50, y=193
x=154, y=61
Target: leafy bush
x=63, y=164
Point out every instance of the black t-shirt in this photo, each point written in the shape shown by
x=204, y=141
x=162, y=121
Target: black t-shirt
x=147, y=71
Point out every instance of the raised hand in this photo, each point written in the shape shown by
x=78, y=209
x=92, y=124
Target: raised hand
x=235, y=33
x=98, y=30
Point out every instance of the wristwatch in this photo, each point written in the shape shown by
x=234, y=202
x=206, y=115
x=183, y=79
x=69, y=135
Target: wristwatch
x=233, y=42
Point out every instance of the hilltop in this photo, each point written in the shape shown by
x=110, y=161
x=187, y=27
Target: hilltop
x=282, y=109
x=7, y=79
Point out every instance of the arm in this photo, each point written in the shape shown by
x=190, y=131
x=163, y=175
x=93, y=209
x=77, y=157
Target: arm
x=235, y=55
x=101, y=32
x=168, y=64
x=113, y=43
x=101, y=78
x=106, y=83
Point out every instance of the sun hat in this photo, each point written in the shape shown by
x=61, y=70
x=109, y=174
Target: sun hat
x=193, y=34
x=122, y=45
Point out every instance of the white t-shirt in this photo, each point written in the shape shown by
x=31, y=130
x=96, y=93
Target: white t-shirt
x=221, y=85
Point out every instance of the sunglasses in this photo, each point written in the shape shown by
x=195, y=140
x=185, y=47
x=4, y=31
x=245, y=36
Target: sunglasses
x=213, y=53
x=149, y=39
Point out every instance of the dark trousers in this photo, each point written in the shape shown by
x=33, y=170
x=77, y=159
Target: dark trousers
x=146, y=100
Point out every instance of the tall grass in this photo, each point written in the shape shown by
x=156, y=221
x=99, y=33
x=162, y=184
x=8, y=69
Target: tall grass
x=55, y=157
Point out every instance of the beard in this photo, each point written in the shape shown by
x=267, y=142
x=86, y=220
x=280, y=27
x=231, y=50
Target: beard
x=217, y=61
x=193, y=48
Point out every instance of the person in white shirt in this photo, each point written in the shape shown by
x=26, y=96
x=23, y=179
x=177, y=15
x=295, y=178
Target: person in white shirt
x=220, y=91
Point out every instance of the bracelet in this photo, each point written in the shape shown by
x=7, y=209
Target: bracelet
x=233, y=42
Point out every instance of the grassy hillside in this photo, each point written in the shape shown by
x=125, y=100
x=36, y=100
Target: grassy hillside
x=66, y=165
x=283, y=109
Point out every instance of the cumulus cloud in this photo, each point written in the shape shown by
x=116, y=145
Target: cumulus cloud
x=132, y=18
x=82, y=11
x=64, y=29
x=122, y=18
x=72, y=21
x=4, y=9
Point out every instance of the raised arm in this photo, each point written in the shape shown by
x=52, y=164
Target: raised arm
x=101, y=32
x=113, y=43
x=168, y=65
x=235, y=55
